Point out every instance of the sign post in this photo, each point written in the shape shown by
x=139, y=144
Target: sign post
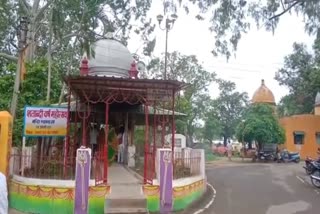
x=166, y=178
x=83, y=164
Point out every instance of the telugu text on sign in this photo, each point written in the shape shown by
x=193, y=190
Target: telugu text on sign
x=45, y=121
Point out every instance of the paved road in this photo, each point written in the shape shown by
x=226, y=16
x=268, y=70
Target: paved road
x=262, y=189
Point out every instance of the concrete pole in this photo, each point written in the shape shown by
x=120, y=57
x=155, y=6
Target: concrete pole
x=16, y=91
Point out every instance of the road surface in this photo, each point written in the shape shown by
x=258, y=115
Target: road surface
x=262, y=189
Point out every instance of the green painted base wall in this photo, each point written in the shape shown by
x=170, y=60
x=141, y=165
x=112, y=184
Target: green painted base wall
x=30, y=204
x=184, y=202
x=180, y=203
x=48, y=200
x=153, y=203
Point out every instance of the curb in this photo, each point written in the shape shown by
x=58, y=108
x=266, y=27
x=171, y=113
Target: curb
x=193, y=208
x=209, y=204
x=210, y=193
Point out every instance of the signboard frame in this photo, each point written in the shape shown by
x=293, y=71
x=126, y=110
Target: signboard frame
x=55, y=109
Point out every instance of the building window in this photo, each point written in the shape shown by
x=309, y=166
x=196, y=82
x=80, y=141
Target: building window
x=318, y=137
x=298, y=138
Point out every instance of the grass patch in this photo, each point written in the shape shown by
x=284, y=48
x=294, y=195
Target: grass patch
x=211, y=157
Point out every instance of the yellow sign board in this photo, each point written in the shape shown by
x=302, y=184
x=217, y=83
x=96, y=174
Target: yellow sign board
x=5, y=141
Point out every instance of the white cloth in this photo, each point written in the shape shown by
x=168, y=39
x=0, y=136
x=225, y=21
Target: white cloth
x=93, y=136
x=120, y=153
x=3, y=194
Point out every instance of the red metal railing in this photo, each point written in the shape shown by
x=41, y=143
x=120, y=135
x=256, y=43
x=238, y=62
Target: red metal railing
x=186, y=163
x=48, y=167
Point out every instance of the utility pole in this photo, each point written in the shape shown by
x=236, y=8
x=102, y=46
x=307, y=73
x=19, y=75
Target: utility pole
x=168, y=26
x=22, y=44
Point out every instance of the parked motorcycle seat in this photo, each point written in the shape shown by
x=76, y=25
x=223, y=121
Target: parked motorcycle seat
x=293, y=153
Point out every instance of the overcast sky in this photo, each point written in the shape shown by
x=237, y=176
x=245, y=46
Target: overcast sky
x=260, y=54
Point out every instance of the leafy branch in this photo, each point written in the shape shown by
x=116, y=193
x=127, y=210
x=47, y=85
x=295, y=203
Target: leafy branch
x=287, y=9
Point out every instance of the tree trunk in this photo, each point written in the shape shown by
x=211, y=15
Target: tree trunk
x=49, y=58
x=32, y=29
x=225, y=140
x=250, y=145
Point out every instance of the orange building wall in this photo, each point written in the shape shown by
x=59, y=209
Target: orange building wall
x=317, y=110
x=307, y=123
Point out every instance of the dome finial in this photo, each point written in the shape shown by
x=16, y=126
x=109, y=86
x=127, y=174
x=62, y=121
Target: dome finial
x=262, y=82
x=109, y=35
x=133, y=72
x=84, y=68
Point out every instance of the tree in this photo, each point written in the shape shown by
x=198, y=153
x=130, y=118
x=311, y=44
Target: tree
x=231, y=19
x=301, y=75
x=194, y=99
x=212, y=127
x=32, y=90
x=57, y=24
x=87, y=20
x=228, y=109
x=261, y=126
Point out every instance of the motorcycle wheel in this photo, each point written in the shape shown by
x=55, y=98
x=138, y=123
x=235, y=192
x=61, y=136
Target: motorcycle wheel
x=309, y=170
x=297, y=160
x=315, y=182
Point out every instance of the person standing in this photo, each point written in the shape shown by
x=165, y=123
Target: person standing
x=3, y=194
x=120, y=145
x=229, y=149
x=93, y=138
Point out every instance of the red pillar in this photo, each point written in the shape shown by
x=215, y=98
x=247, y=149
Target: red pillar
x=154, y=140
x=105, y=151
x=163, y=128
x=173, y=124
x=146, y=143
x=67, y=139
x=75, y=135
x=84, y=131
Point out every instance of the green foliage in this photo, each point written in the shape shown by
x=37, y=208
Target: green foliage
x=229, y=20
x=209, y=156
x=212, y=127
x=32, y=91
x=195, y=98
x=86, y=21
x=301, y=75
x=260, y=125
x=225, y=112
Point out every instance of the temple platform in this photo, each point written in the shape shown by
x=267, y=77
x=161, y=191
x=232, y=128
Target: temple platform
x=126, y=195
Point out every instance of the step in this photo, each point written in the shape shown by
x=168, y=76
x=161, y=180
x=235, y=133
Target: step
x=130, y=203
x=126, y=192
x=127, y=211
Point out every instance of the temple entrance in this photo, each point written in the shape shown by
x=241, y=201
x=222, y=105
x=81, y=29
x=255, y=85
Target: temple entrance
x=106, y=112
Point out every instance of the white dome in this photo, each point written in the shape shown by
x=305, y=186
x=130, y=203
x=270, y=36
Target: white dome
x=111, y=58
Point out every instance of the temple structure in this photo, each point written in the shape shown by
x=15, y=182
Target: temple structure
x=113, y=112
x=263, y=95
x=302, y=131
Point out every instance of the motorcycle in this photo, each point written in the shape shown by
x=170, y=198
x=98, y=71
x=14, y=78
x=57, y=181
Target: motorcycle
x=315, y=177
x=266, y=156
x=286, y=156
x=309, y=167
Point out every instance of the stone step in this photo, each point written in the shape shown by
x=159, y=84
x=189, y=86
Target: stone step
x=126, y=192
x=126, y=203
x=127, y=211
